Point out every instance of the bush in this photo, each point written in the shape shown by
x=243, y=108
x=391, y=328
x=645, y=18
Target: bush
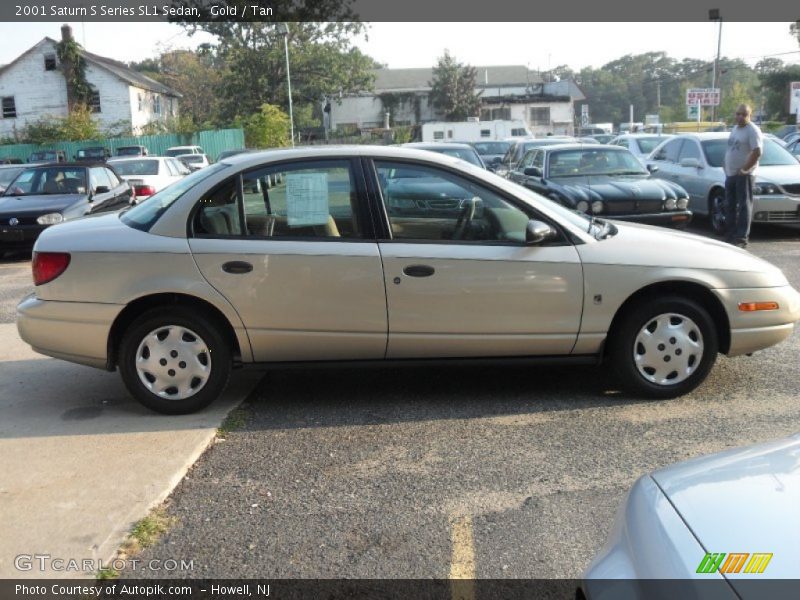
x=268, y=128
x=77, y=126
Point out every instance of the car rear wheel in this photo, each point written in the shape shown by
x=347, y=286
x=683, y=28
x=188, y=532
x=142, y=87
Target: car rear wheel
x=716, y=211
x=664, y=348
x=174, y=363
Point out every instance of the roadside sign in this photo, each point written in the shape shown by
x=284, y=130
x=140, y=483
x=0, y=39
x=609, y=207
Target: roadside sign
x=651, y=120
x=693, y=112
x=584, y=115
x=702, y=96
x=794, y=99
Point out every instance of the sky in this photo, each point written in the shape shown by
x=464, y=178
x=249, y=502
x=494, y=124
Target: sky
x=537, y=45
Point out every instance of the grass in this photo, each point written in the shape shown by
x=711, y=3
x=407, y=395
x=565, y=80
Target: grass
x=235, y=420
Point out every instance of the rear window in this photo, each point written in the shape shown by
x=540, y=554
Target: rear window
x=492, y=147
x=145, y=215
x=129, y=151
x=136, y=167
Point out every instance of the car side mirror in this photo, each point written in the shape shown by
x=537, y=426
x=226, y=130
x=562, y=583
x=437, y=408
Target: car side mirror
x=533, y=171
x=537, y=232
x=652, y=168
x=101, y=189
x=690, y=162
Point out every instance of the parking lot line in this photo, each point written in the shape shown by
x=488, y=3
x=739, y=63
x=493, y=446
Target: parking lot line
x=462, y=563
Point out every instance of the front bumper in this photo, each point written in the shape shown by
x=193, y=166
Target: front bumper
x=73, y=331
x=751, y=331
x=673, y=218
x=19, y=236
x=776, y=209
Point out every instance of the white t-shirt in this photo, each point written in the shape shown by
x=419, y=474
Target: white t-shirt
x=742, y=141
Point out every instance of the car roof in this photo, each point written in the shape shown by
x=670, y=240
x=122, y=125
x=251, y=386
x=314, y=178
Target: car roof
x=438, y=145
x=114, y=159
x=573, y=146
x=72, y=165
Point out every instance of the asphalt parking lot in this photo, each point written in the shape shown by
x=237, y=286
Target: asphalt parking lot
x=488, y=472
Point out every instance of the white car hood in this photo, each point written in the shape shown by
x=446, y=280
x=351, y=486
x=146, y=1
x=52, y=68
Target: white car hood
x=781, y=175
x=742, y=500
x=661, y=247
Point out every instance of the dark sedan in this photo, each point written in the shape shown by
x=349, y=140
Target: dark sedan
x=603, y=181
x=491, y=153
x=49, y=194
x=463, y=151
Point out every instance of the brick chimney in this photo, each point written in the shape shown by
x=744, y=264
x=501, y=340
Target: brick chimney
x=66, y=32
x=67, y=68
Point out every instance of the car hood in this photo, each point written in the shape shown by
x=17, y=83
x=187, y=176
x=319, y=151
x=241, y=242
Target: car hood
x=742, y=500
x=649, y=246
x=610, y=188
x=37, y=204
x=783, y=174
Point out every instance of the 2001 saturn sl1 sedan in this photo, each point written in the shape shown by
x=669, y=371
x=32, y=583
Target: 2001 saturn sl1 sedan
x=221, y=268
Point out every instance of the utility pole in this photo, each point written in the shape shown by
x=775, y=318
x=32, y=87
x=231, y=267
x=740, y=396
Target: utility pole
x=714, y=15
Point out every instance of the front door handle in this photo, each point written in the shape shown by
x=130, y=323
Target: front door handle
x=237, y=267
x=419, y=271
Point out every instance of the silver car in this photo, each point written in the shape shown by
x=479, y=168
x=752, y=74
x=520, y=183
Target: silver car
x=381, y=253
x=640, y=144
x=712, y=527
x=695, y=162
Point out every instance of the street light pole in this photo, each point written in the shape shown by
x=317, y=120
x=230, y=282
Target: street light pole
x=283, y=29
x=714, y=15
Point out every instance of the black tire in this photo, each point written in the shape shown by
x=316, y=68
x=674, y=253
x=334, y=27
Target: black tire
x=623, y=346
x=210, y=333
x=716, y=211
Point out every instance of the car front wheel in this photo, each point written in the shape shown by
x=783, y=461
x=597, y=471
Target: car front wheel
x=173, y=363
x=664, y=348
x=716, y=211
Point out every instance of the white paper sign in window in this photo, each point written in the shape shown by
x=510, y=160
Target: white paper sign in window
x=307, y=199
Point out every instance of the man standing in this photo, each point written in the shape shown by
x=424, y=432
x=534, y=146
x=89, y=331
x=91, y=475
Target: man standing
x=745, y=145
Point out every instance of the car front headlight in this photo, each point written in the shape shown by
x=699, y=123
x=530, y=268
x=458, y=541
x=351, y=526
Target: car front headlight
x=583, y=206
x=597, y=206
x=683, y=203
x=670, y=204
x=50, y=219
x=765, y=189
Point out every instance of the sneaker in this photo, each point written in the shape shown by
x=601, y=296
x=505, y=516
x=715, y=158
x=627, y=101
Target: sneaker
x=740, y=244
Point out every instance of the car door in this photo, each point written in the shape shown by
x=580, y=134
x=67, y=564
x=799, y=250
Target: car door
x=518, y=174
x=103, y=196
x=298, y=260
x=693, y=178
x=666, y=159
x=460, y=279
x=121, y=189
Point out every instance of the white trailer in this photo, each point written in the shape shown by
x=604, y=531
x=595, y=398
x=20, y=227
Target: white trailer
x=473, y=131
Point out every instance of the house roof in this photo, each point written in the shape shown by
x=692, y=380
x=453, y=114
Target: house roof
x=419, y=79
x=117, y=68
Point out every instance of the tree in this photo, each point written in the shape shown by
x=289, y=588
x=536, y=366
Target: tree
x=453, y=89
x=794, y=29
x=268, y=128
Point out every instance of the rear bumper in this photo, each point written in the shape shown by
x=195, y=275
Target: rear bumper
x=751, y=331
x=674, y=218
x=73, y=331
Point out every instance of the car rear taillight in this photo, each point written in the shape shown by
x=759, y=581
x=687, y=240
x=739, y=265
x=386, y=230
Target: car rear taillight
x=48, y=265
x=143, y=190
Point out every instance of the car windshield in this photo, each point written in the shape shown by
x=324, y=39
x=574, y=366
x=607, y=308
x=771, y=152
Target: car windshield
x=143, y=216
x=492, y=147
x=7, y=176
x=648, y=144
x=48, y=181
x=468, y=155
x=593, y=161
x=135, y=167
x=178, y=151
x=774, y=154
x=129, y=151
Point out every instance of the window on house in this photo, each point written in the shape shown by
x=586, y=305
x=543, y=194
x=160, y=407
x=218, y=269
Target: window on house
x=157, y=104
x=49, y=62
x=485, y=133
x=540, y=115
x=141, y=102
x=438, y=135
x=94, y=101
x=492, y=114
x=9, y=107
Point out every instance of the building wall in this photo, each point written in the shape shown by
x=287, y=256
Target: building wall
x=367, y=111
x=36, y=92
x=150, y=107
x=114, y=98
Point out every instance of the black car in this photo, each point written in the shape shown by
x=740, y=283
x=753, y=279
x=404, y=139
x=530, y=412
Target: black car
x=606, y=181
x=47, y=156
x=522, y=146
x=491, y=152
x=45, y=195
x=92, y=154
x=463, y=151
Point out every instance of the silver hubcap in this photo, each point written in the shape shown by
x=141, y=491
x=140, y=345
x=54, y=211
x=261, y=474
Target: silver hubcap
x=173, y=362
x=718, y=212
x=668, y=349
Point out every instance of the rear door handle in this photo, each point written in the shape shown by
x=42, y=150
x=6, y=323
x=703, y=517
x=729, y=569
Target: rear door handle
x=237, y=267
x=419, y=271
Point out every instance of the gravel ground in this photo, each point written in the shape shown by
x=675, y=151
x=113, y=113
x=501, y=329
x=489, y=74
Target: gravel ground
x=360, y=473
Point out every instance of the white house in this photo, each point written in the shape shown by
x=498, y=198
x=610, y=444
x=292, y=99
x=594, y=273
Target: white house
x=507, y=92
x=33, y=86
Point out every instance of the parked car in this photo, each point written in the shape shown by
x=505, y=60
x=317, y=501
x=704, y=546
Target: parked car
x=11, y=161
x=148, y=175
x=695, y=162
x=604, y=138
x=491, y=153
x=40, y=196
x=794, y=148
x=7, y=175
x=776, y=139
x=132, y=151
x=587, y=140
x=463, y=151
x=603, y=181
x=93, y=154
x=212, y=271
x=521, y=147
x=194, y=161
x=715, y=521
x=787, y=130
x=47, y=156
x=176, y=151
x=791, y=137
x=640, y=144
x=226, y=153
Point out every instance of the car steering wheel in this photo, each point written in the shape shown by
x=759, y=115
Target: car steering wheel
x=465, y=218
